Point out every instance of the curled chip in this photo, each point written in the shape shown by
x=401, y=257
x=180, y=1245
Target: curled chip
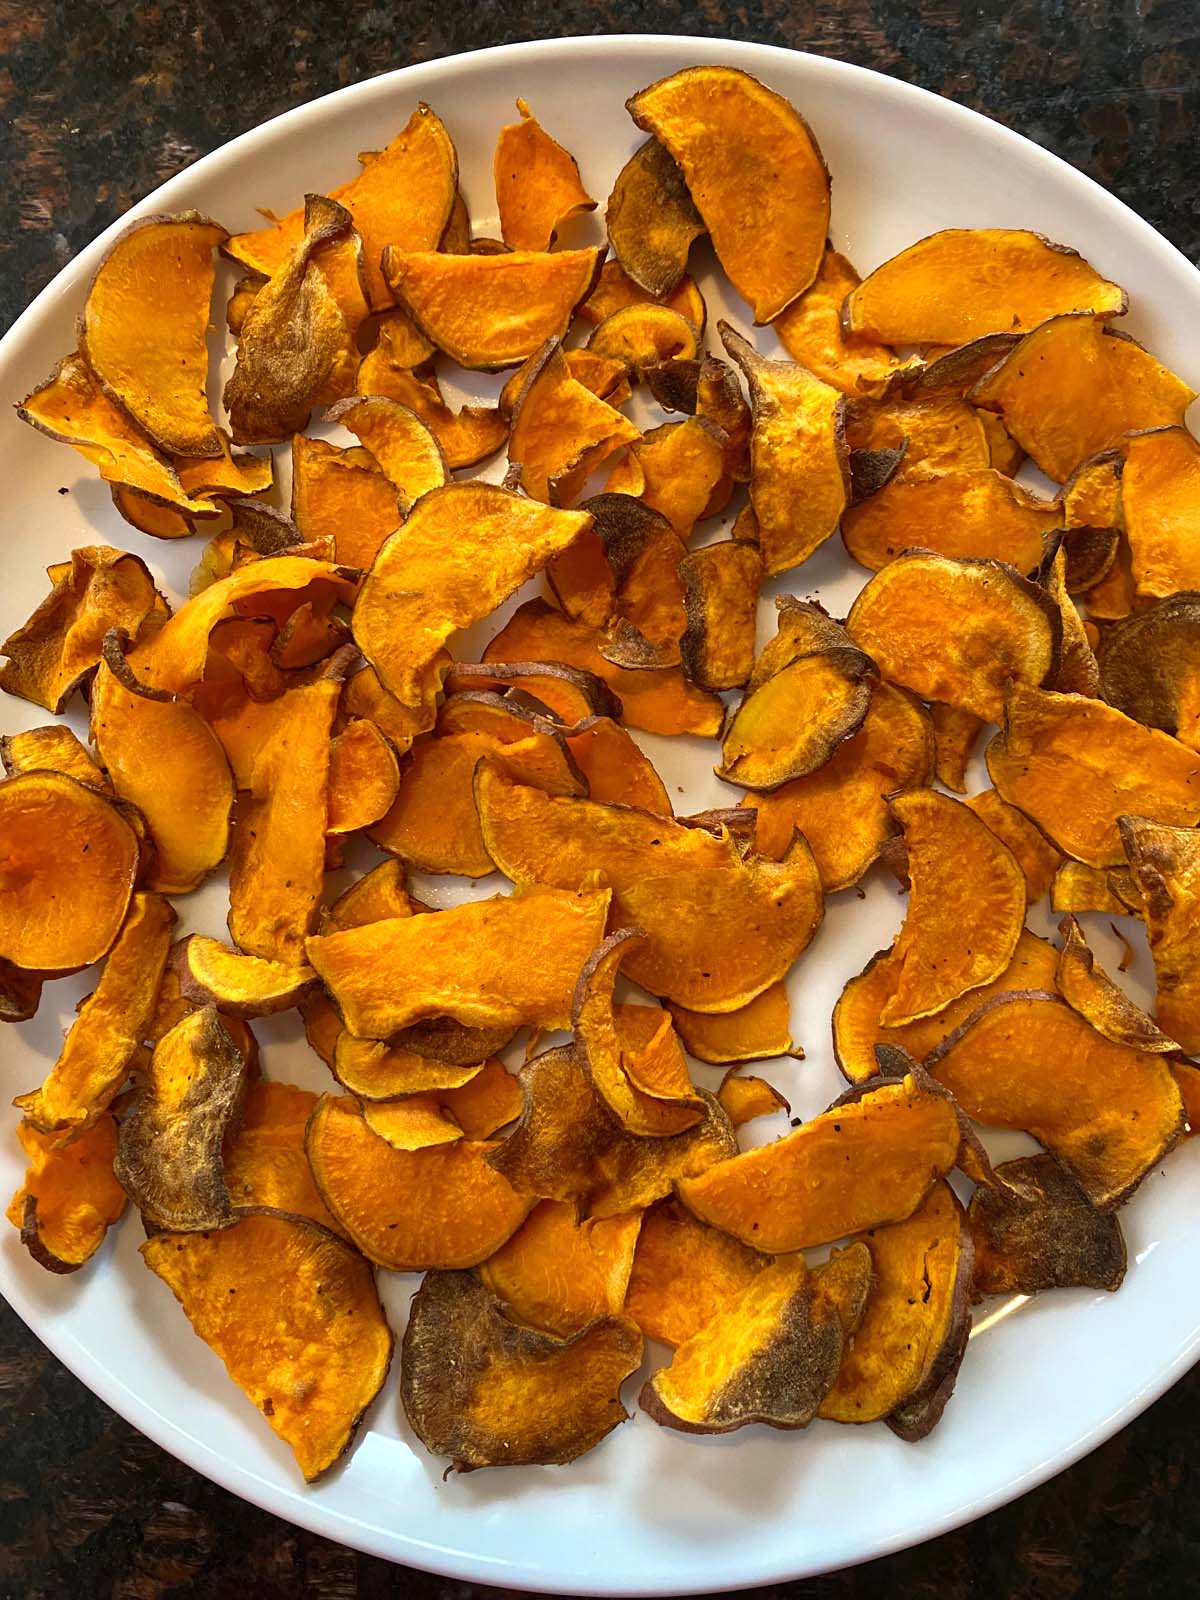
x=561, y=431
x=365, y=696
x=404, y=447
x=69, y=1198
x=744, y=151
x=744, y=1099
x=769, y=1355
x=1075, y=765
x=756, y=1031
x=685, y=1273
x=70, y=858
x=799, y=463
x=643, y=336
x=559, y=1274
x=1074, y=387
x=793, y=723
x=614, y=288
x=658, y=701
x=329, y=1345
x=163, y=758
x=1165, y=863
x=58, y=649
x=343, y=495
x=465, y=436
x=614, y=767
x=380, y=893
x=904, y=1357
x=491, y=312
x=957, y=631
x=963, y=283
x=463, y=549
x=440, y=1206
x=570, y=693
x=955, y=733
x=1035, y=855
x=857, y=1028
x=169, y=1153
x=265, y=1163
x=364, y=776
x=373, y=1070
x=505, y=961
x=489, y=1099
x=1037, y=1230
x=949, y=945
x=1078, y=671
x=1077, y=887
x=1150, y=667
x=484, y=1392
x=707, y=389
x=53, y=748
x=1026, y=1060
x=841, y=808
x=1160, y=500
x=870, y=1159
x=968, y=511
x=538, y=186
x=145, y=325
x=651, y=220
x=623, y=576
x=415, y=1122
x=681, y=469
x=210, y=973
x=1088, y=989
x=720, y=597
x=720, y=929
x=100, y=1049
x=811, y=332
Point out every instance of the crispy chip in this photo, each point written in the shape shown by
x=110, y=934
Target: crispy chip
x=407, y=451
x=939, y=433
x=614, y=288
x=53, y=748
x=559, y=1274
x=792, y=724
x=538, y=187
x=1150, y=667
x=1040, y=1231
x=744, y=1099
x=1037, y=858
x=69, y=1198
x=265, y=1163
x=680, y=469
x=720, y=594
x=811, y=332
x=416, y=1122
x=972, y=511
x=1077, y=887
x=1088, y=989
x=364, y=777
x=210, y=973
x=1078, y=671
x=365, y=696
x=651, y=220
x=466, y=436
x=561, y=431
x=342, y=494
x=373, y=1070
x=615, y=769
x=643, y=336
x=684, y=1273
x=1160, y=500
x=754, y=1032
x=1165, y=862
x=956, y=733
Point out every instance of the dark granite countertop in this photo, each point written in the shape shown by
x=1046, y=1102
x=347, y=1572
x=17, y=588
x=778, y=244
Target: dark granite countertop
x=90, y=123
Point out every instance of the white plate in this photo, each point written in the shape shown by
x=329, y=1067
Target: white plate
x=650, y=1510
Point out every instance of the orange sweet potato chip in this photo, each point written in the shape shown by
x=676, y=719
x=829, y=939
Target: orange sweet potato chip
x=151, y=516
x=963, y=283
x=466, y=436
x=364, y=777
x=1160, y=499
x=561, y=431
x=53, y=748
x=684, y=1273
x=643, y=336
x=811, y=332
x=571, y=693
x=365, y=696
x=615, y=769
x=651, y=220
x=755, y=1032
x=1037, y=858
x=799, y=476
x=69, y=1198
x=330, y=1344
x=407, y=451
x=1088, y=989
x=708, y=389
x=744, y=1099
x=957, y=631
x=614, y=288
x=680, y=469
x=538, y=187
x=227, y=475
x=720, y=596
x=1027, y=1060
x=793, y=723
x=1078, y=671
x=1150, y=667
x=955, y=734
x=1040, y=1231
x=404, y=196
x=414, y=1123
x=1165, y=862
x=1074, y=386
x=623, y=577
x=1077, y=887
x=483, y=1391
x=265, y=1163
x=938, y=433
x=559, y=1274
x=442, y=1205
x=70, y=859
x=463, y=549
x=1075, y=765
x=374, y=1070
x=867, y=1161
x=491, y=312
x=343, y=495
x=745, y=151
x=973, y=511
x=211, y=974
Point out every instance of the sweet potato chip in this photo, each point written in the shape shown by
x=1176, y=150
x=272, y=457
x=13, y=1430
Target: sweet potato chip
x=1114, y=597
x=365, y=696
x=957, y=631
x=379, y=894
x=1165, y=863
x=1160, y=501
x=720, y=596
x=642, y=336
x=20, y=993
x=409, y=1209
x=342, y=494
x=870, y=1159
x=227, y=475
x=793, y=723
x=483, y=1391
x=414, y=1123
x=940, y=957
x=163, y=758
x=1074, y=765
x=559, y=1274
x=308, y=636
x=1035, y=855
x=561, y=431
x=1088, y=989
x=753, y=1033
x=53, y=748
x=466, y=436
x=489, y=312
x=745, y=151
x=1040, y=1231
x=501, y=961
x=1077, y=887
x=151, y=516
x=1092, y=515
x=293, y=1313
x=708, y=389
x=364, y=777
x=973, y=511
x=490, y=1098
x=963, y=283
x=1078, y=671
x=681, y=470
x=841, y=808
x=1026, y=1060
x=570, y=693
x=770, y=1355
x=242, y=298
x=685, y=1273
x=265, y=1163
x=430, y=579
x=743, y=1099
x=1074, y=386
x=811, y=332
x=651, y=220
x=169, y=1152
x=799, y=474
x=614, y=288
x=938, y=433
x=614, y=767
x=914, y=1330
x=1150, y=667
x=955, y=733
x=660, y=701
x=210, y=973
x=720, y=929
x=69, y=1198
x=69, y=858
x=623, y=576
x=373, y=1070
x=404, y=195
x=404, y=447
x=277, y=867
x=538, y=186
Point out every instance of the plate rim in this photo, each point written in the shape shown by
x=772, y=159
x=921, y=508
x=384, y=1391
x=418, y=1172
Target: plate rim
x=294, y=1504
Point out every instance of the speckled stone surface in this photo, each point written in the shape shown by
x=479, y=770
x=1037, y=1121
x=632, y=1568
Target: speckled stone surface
x=100, y=100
